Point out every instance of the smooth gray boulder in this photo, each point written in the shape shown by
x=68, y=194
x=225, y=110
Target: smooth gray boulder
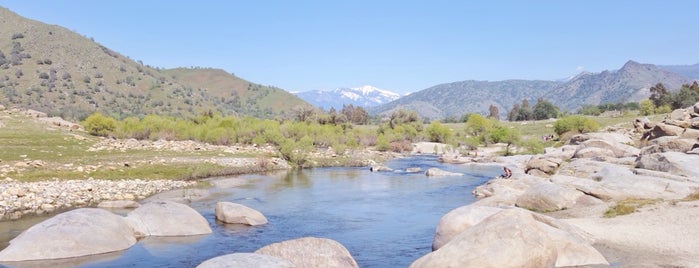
x=236, y=213
x=673, y=162
x=435, y=172
x=516, y=238
x=458, y=220
x=79, y=232
x=617, y=149
x=545, y=163
x=246, y=260
x=166, y=218
x=669, y=144
x=311, y=252
x=661, y=130
x=547, y=197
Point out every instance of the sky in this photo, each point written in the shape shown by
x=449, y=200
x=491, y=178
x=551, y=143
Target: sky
x=403, y=46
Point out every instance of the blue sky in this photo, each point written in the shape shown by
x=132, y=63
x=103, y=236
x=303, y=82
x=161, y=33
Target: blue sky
x=403, y=46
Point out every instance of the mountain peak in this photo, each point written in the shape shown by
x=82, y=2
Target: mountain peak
x=363, y=96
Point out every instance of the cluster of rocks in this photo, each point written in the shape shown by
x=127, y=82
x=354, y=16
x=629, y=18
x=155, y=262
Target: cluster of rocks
x=582, y=179
x=90, y=231
x=22, y=198
x=42, y=117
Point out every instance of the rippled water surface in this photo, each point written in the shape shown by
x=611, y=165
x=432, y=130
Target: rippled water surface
x=384, y=219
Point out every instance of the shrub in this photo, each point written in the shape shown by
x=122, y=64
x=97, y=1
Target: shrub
x=575, y=123
x=99, y=125
x=436, y=132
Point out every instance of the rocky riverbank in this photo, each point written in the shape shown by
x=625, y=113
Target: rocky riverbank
x=18, y=199
x=629, y=197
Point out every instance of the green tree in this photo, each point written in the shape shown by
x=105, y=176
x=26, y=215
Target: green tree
x=647, y=107
x=99, y=125
x=477, y=125
x=544, y=109
x=436, y=132
x=575, y=123
x=659, y=95
x=503, y=134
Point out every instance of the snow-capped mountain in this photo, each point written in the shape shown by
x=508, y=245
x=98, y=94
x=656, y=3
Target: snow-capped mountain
x=364, y=96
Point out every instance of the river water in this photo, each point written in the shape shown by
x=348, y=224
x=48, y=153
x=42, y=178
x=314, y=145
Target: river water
x=384, y=219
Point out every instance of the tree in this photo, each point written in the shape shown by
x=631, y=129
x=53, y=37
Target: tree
x=503, y=134
x=686, y=97
x=494, y=113
x=436, y=132
x=512, y=115
x=659, y=95
x=543, y=109
x=477, y=125
x=647, y=107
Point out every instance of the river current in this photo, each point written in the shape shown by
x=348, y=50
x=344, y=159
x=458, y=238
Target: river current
x=384, y=219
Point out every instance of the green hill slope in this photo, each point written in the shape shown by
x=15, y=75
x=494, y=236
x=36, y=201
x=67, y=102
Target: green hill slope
x=54, y=70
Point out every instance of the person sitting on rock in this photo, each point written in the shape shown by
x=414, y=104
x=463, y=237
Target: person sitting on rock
x=508, y=173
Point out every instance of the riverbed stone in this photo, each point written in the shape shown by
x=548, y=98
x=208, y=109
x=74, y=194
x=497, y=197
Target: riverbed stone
x=436, y=172
x=80, y=232
x=516, y=238
x=311, y=252
x=246, y=260
x=166, y=218
x=236, y=213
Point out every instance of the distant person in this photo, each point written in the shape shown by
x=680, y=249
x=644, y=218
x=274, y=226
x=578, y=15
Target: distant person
x=508, y=173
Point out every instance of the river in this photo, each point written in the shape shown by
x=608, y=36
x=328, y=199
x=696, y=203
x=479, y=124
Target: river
x=384, y=219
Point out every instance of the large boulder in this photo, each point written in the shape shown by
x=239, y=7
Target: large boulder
x=311, y=252
x=696, y=108
x=515, y=238
x=547, y=196
x=669, y=144
x=673, y=162
x=690, y=133
x=546, y=164
x=435, y=172
x=616, y=149
x=661, y=130
x=167, y=218
x=246, y=260
x=458, y=220
x=80, y=232
x=236, y=213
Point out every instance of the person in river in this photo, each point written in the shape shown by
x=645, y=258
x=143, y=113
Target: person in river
x=508, y=173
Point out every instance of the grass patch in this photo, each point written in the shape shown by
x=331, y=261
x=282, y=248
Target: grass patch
x=628, y=206
x=692, y=197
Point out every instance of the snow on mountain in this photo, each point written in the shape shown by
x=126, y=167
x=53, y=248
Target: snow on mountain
x=364, y=96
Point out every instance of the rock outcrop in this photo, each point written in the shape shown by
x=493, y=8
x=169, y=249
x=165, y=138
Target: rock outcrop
x=236, y=213
x=311, y=252
x=80, y=232
x=165, y=218
x=516, y=238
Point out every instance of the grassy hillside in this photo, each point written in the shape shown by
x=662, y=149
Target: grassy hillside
x=235, y=94
x=54, y=70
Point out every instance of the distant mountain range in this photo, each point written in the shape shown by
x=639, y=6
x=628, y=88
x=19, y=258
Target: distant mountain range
x=54, y=70
x=630, y=83
x=364, y=96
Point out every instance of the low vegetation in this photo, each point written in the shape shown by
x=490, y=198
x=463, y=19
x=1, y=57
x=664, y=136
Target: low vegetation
x=628, y=206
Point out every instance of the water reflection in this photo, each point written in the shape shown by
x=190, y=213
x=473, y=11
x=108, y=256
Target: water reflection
x=385, y=219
